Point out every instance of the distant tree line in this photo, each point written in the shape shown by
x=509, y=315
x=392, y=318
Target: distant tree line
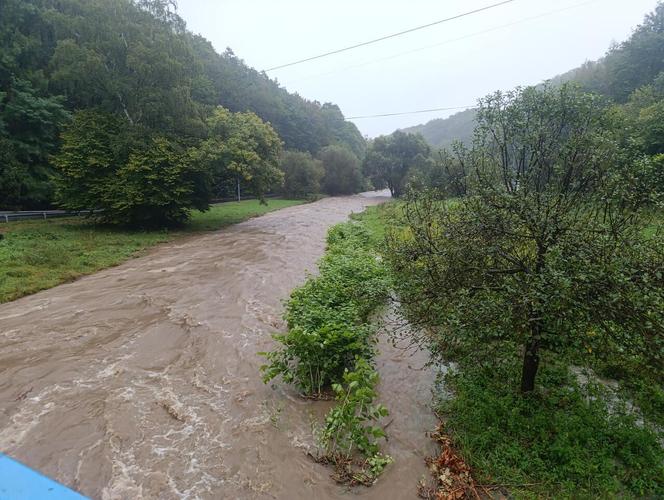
x=114, y=104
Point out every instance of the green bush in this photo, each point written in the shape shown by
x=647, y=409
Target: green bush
x=105, y=164
x=302, y=174
x=351, y=431
x=328, y=316
x=349, y=426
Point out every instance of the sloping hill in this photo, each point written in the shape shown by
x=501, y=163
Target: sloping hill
x=134, y=59
x=625, y=68
x=442, y=132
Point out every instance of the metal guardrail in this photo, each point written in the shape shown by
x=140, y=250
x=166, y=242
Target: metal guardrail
x=9, y=216
x=36, y=214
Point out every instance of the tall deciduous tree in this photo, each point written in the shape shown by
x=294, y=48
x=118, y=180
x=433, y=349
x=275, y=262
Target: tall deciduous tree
x=390, y=159
x=302, y=174
x=29, y=129
x=242, y=148
x=128, y=176
x=546, y=252
x=342, y=171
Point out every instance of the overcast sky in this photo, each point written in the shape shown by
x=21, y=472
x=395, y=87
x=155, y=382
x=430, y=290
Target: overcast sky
x=448, y=65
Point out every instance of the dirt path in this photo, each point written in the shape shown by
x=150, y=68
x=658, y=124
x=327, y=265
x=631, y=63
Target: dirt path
x=142, y=381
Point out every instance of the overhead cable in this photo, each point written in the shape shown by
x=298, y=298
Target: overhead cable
x=393, y=35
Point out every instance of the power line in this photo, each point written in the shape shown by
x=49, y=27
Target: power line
x=393, y=35
x=445, y=42
x=408, y=112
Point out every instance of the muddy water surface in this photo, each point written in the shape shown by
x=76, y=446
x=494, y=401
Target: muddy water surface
x=142, y=381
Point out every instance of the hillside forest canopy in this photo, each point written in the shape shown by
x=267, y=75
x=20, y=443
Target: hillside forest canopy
x=627, y=66
x=100, y=96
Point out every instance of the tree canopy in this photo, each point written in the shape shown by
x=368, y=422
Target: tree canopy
x=546, y=251
x=302, y=174
x=342, y=171
x=133, y=59
x=389, y=160
x=240, y=149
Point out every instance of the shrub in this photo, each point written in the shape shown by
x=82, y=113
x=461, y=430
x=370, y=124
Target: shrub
x=302, y=174
x=351, y=427
x=345, y=428
x=328, y=316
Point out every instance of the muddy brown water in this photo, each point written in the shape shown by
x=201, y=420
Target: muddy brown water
x=142, y=381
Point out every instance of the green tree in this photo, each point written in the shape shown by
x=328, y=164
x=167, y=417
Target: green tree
x=243, y=149
x=342, y=171
x=390, y=159
x=302, y=174
x=127, y=176
x=547, y=251
x=446, y=174
x=29, y=129
x=158, y=186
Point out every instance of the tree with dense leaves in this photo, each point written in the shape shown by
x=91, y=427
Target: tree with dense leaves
x=390, y=158
x=125, y=175
x=243, y=150
x=302, y=174
x=342, y=171
x=547, y=251
x=29, y=129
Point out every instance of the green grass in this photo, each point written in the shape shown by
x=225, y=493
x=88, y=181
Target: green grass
x=35, y=255
x=567, y=440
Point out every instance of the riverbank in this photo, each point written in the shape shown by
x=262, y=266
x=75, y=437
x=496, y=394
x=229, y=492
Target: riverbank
x=591, y=429
x=40, y=254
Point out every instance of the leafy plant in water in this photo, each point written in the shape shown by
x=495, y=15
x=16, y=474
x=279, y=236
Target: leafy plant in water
x=351, y=428
x=328, y=316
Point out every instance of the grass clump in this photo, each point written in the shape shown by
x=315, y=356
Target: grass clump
x=565, y=440
x=40, y=254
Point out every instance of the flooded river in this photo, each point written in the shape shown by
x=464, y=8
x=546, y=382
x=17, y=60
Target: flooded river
x=142, y=381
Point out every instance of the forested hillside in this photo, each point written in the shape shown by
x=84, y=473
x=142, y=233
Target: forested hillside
x=133, y=61
x=626, y=67
x=442, y=132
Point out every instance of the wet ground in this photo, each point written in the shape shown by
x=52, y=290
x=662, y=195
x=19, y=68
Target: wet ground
x=142, y=381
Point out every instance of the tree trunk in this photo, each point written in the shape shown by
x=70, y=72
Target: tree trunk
x=530, y=365
x=238, y=189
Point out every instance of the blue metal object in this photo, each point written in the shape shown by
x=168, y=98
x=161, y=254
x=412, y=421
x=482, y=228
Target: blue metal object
x=18, y=482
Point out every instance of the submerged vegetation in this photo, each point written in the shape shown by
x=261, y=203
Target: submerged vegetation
x=328, y=316
x=329, y=349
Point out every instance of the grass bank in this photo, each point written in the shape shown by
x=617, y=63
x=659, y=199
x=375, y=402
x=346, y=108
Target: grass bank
x=36, y=255
x=577, y=436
